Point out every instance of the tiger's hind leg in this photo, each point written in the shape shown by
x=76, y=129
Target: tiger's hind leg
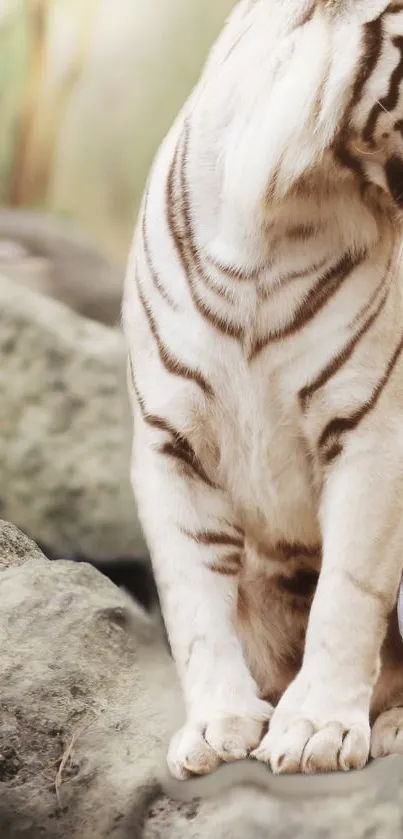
x=387, y=702
x=272, y=618
x=322, y=722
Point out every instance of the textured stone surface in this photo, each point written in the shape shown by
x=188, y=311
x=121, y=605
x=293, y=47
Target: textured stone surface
x=247, y=814
x=65, y=429
x=87, y=696
x=371, y=809
x=88, y=699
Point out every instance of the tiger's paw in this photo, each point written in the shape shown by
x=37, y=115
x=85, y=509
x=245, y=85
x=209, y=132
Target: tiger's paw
x=297, y=744
x=199, y=747
x=387, y=734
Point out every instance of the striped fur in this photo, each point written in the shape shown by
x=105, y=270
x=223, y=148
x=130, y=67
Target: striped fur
x=264, y=316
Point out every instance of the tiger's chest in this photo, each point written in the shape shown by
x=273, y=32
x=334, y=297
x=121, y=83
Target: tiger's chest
x=262, y=456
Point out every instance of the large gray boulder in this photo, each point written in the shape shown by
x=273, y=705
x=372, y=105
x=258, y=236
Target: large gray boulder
x=54, y=257
x=89, y=698
x=65, y=428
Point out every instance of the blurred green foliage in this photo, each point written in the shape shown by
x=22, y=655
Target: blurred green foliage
x=88, y=88
x=13, y=78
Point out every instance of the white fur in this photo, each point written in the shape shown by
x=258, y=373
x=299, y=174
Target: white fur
x=254, y=116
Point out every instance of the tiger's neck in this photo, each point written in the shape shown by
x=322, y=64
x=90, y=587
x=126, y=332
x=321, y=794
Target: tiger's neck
x=311, y=227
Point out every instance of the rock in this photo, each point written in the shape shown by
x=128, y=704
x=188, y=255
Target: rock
x=65, y=429
x=89, y=698
x=243, y=799
x=135, y=576
x=53, y=257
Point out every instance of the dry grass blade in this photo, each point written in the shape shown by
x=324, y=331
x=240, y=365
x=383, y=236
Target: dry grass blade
x=67, y=754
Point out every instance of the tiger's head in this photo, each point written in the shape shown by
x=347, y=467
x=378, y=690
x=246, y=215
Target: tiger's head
x=340, y=84
x=370, y=141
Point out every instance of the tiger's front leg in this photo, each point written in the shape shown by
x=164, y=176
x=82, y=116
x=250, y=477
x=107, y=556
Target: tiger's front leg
x=322, y=721
x=197, y=550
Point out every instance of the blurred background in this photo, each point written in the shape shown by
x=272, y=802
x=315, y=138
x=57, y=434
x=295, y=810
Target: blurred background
x=88, y=89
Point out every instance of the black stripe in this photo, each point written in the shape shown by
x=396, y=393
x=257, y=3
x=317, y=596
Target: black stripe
x=179, y=207
x=394, y=178
x=195, y=265
x=178, y=447
x=348, y=159
x=266, y=293
x=306, y=15
x=238, y=275
x=389, y=102
x=150, y=264
x=394, y=10
x=340, y=425
x=296, y=550
x=306, y=393
x=229, y=565
x=303, y=583
x=171, y=364
x=211, y=538
x=303, y=231
x=373, y=40
x=322, y=291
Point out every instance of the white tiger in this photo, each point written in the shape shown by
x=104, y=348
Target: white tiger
x=264, y=314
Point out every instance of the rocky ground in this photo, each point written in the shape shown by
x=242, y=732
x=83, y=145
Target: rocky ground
x=88, y=692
